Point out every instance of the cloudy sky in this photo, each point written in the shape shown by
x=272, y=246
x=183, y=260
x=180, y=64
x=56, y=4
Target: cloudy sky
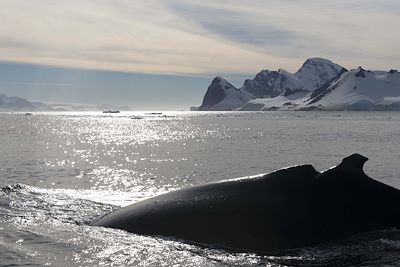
x=182, y=44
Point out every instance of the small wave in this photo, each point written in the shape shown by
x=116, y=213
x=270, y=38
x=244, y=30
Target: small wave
x=67, y=205
x=21, y=201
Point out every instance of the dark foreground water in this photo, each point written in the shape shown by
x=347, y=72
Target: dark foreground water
x=59, y=171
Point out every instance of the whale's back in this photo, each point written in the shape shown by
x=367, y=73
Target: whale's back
x=241, y=213
x=287, y=208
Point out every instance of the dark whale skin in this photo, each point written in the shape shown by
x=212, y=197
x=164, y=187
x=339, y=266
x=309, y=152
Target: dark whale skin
x=288, y=208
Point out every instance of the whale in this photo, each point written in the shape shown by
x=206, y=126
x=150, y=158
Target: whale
x=289, y=208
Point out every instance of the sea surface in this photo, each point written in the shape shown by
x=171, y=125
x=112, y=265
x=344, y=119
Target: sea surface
x=60, y=171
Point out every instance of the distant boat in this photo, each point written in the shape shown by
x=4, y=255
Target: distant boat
x=133, y=117
x=28, y=114
x=111, y=111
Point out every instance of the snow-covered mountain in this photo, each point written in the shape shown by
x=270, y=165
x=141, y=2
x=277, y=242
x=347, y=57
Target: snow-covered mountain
x=318, y=85
x=269, y=84
x=360, y=89
x=357, y=89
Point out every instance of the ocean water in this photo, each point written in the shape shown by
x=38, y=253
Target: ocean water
x=60, y=171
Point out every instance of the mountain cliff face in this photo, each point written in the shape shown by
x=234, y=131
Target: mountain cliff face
x=319, y=84
x=221, y=95
x=270, y=83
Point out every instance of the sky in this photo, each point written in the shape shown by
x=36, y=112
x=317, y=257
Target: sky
x=137, y=50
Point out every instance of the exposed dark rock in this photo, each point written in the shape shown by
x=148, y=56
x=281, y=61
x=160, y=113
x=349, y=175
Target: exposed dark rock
x=271, y=109
x=216, y=92
x=360, y=73
x=311, y=108
x=289, y=104
x=289, y=92
x=266, y=84
x=323, y=90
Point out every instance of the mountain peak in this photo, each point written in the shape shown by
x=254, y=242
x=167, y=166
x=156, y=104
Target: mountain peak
x=284, y=72
x=360, y=72
x=316, y=71
x=218, y=79
x=318, y=60
x=262, y=73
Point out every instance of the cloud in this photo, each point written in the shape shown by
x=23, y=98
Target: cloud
x=199, y=37
x=350, y=32
x=231, y=24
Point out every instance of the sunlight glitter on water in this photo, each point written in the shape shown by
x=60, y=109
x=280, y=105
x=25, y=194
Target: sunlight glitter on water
x=109, y=147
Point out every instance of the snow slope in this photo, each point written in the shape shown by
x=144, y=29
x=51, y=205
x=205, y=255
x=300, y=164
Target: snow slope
x=361, y=89
x=285, y=101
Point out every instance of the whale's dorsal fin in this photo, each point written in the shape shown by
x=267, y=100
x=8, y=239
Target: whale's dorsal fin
x=354, y=161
